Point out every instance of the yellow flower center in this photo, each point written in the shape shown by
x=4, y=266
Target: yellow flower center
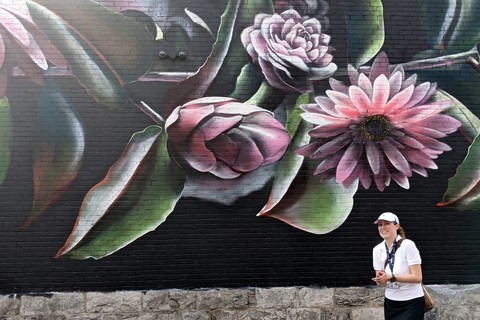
x=376, y=127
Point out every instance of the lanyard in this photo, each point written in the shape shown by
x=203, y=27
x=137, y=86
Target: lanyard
x=391, y=261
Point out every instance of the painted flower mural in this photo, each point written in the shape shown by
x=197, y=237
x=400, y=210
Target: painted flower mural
x=380, y=127
x=289, y=51
x=23, y=44
x=225, y=137
x=220, y=132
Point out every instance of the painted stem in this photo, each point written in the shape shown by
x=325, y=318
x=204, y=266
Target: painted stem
x=433, y=62
x=267, y=97
x=151, y=113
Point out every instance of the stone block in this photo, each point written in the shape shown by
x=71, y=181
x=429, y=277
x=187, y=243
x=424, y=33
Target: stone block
x=470, y=295
x=67, y=303
x=254, y=314
x=185, y=299
x=377, y=296
x=9, y=306
x=455, y=313
x=445, y=294
x=303, y=314
x=155, y=301
x=351, y=297
x=335, y=313
x=224, y=315
x=315, y=297
x=367, y=313
x=169, y=301
x=276, y=297
x=114, y=302
x=235, y=298
x=196, y=315
x=34, y=305
x=209, y=300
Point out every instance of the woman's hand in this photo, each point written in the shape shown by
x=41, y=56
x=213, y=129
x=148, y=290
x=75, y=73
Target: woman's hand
x=381, y=278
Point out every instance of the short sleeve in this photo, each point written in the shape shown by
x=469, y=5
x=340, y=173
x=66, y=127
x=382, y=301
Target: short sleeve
x=378, y=262
x=412, y=254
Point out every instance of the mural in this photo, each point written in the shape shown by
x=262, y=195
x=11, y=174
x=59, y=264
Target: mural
x=296, y=110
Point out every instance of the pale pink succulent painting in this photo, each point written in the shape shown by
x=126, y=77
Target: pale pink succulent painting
x=224, y=136
x=22, y=44
x=381, y=127
x=289, y=51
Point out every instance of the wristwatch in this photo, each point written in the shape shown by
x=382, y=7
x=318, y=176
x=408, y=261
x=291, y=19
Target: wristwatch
x=393, y=279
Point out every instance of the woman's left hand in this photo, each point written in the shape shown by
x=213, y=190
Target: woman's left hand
x=382, y=278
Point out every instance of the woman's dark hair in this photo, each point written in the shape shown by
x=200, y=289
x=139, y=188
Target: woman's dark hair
x=400, y=231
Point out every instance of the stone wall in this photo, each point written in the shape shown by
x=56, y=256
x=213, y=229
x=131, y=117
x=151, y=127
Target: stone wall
x=288, y=303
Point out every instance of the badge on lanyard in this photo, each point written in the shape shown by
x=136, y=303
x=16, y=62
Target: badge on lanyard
x=391, y=263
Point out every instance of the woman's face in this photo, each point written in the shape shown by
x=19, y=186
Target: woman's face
x=387, y=229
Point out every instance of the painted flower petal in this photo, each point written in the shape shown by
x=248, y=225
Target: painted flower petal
x=365, y=84
x=185, y=120
x=223, y=171
x=216, y=125
x=349, y=161
x=396, y=158
x=373, y=156
x=249, y=157
x=361, y=101
x=380, y=66
x=197, y=154
x=381, y=93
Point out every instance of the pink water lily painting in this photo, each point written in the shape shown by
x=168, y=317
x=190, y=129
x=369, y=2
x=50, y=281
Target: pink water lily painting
x=287, y=101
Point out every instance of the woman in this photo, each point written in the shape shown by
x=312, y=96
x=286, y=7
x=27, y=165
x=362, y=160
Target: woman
x=397, y=265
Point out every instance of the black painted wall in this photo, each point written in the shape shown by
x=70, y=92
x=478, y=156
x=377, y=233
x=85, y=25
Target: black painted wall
x=203, y=244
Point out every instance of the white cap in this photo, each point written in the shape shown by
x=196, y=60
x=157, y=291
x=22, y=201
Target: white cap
x=388, y=216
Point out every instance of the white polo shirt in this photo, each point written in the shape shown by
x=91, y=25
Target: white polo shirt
x=407, y=255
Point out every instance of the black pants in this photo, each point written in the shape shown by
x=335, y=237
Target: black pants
x=404, y=310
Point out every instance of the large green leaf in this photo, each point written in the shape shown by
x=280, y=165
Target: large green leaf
x=195, y=86
x=464, y=188
x=470, y=122
x=6, y=136
x=140, y=190
x=125, y=43
x=450, y=24
x=59, y=148
x=365, y=29
x=313, y=206
x=88, y=65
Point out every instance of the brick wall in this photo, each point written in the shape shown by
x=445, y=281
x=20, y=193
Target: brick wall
x=207, y=244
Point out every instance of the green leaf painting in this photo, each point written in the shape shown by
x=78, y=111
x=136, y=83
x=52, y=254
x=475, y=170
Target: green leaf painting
x=365, y=30
x=311, y=205
x=454, y=26
x=123, y=42
x=137, y=195
x=88, y=65
x=59, y=149
x=470, y=122
x=463, y=189
x=6, y=138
